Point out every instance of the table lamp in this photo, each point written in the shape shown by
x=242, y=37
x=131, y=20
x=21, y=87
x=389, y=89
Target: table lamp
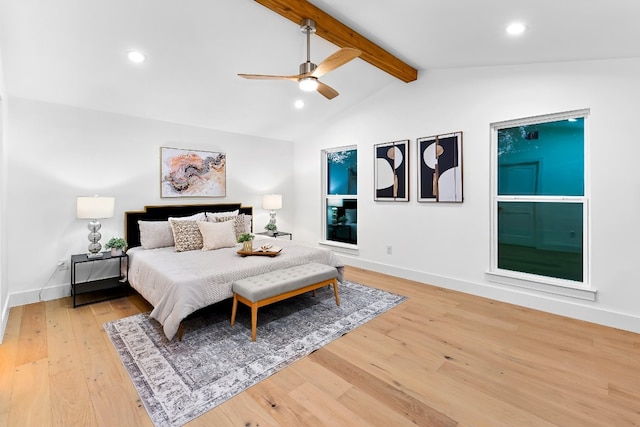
x=272, y=202
x=94, y=208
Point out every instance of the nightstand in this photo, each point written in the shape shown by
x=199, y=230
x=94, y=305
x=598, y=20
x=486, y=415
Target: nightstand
x=278, y=234
x=106, y=288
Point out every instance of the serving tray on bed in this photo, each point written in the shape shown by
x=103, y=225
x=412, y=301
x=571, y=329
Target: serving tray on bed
x=274, y=251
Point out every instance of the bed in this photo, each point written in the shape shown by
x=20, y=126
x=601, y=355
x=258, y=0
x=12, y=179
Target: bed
x=178, y=281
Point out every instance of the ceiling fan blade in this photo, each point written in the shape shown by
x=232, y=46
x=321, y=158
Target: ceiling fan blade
x=268, y=77
x=336, y=60
x=327, y=91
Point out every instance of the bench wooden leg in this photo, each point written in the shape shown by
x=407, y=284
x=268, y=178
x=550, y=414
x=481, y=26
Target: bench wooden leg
x=335, y=291
x=234, y=309
x=254, y=320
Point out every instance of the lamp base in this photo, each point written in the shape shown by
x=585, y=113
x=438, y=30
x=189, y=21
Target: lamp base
x=96, y=255
x=94, y=238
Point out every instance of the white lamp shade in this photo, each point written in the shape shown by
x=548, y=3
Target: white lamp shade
x=272, y=201
x=95, y=207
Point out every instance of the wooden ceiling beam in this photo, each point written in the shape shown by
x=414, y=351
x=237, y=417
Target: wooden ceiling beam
x=339, y=34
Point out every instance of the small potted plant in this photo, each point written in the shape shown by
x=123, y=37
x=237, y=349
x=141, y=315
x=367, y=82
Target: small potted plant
x=117, y=245
x=271, y=228
x=246, y=240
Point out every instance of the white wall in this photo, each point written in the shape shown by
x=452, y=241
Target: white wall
x=469, y=100
x=4, y=292
x=55, y=153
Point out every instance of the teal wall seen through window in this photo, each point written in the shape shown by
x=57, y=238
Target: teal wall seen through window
x=341, y=203
x=540, y=199
x=342, y=174
x=545, y=159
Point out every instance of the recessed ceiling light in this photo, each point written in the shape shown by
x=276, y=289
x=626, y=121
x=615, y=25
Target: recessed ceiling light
x=516, y=28
x=299, y=104
x=136, y=57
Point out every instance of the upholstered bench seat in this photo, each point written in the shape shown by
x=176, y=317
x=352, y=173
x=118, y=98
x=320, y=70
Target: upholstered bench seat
x=274, y=286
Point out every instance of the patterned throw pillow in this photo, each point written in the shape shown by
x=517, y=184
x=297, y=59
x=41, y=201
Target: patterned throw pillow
x=186, y=235
x=238, y=223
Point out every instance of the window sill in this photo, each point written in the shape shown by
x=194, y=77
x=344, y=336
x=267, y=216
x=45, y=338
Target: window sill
x=340, y=247
x=561, y=287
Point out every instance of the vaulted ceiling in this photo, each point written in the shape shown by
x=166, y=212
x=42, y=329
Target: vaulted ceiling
x=73, y=52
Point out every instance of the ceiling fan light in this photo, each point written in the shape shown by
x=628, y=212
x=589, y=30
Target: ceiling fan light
x=308, y=84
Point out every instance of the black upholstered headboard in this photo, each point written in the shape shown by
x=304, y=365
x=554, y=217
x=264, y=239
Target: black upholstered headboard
x=163, y=212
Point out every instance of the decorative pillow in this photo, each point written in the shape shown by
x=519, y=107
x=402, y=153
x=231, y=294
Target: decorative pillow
x=216, y=235
x=186, y=235
x=202, y=216
x=352, y=215
x=247, y=223
x=155, y=234
x=211, y=216
x=239, y=225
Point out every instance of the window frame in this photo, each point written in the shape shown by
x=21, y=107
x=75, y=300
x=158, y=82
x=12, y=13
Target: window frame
x=569, y=288
x=326, y=197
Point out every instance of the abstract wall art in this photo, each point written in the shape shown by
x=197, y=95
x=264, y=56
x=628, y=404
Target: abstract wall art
x=440, y=168
x=190, y=173
x=391, y=171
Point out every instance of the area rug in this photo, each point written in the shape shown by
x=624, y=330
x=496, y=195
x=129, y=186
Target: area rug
x=180, y=380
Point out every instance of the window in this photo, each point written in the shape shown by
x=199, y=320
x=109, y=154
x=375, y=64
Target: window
x=341, y=196
x=539, y=206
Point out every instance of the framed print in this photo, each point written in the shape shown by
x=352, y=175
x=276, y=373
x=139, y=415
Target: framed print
x=440, y=168
x=191, y=173
x=391, y=171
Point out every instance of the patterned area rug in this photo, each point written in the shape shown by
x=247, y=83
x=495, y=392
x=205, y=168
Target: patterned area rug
x=178, y=381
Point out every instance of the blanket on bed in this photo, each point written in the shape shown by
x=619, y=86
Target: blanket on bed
x=179, y=283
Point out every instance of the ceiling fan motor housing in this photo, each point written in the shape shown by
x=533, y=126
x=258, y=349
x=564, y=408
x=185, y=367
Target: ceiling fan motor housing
x=307, y=67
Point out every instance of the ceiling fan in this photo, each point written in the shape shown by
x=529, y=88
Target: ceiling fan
x=310, y=72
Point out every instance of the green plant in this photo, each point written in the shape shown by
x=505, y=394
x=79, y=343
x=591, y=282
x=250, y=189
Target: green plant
x=116, y=242
x=342, y=219
x=271, y=227
x=245, y=237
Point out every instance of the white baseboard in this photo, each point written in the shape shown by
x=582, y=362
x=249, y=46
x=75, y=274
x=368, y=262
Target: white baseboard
x=4, y=319
x=30, y=297
x=588, y=311
x=37, y=295
x=568, y=307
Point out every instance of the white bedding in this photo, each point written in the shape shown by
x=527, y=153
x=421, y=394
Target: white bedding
x=179, y=283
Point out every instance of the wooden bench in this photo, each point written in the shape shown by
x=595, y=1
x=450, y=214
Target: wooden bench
x=274, y=286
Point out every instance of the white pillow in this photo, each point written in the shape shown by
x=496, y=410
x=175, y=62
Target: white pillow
x=216, y=235
x=211, y=216
x=195, y=217
x=155, y=234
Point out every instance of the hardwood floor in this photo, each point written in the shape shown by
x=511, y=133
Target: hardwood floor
x=441, y=358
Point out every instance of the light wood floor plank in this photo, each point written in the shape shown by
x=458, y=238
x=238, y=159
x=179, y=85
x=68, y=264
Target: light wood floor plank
x=282, y=409
x=30, y=396
x=8, y=352
x=439, y=358
x=32, y=343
